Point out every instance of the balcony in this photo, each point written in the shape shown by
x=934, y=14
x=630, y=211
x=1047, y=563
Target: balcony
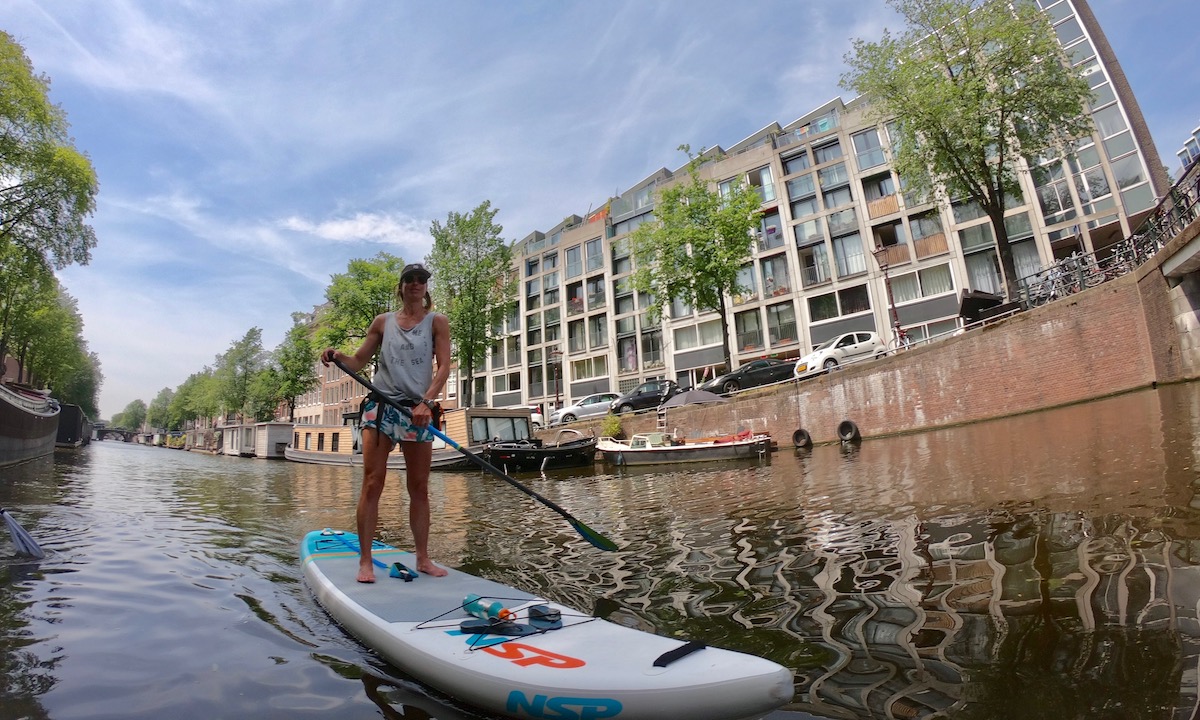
x=811, y=276
x=885, y=205
x=894, y=255
x=931, y=245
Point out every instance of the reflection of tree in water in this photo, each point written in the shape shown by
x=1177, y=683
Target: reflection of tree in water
x=26, y=676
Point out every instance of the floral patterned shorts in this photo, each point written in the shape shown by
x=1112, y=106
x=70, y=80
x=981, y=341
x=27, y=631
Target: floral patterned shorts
x=392, y=423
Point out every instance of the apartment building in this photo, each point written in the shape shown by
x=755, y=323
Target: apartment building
x=837, y=230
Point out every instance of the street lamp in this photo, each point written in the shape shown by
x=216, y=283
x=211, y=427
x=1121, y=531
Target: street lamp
x=881, y=253
x=556, y=359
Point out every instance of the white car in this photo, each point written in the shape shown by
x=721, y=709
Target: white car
x=845, y=348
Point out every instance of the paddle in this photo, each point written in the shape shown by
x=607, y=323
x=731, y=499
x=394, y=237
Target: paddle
x=24, y=542
x=586, y=532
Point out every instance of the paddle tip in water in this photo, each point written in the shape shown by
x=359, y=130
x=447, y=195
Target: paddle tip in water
x=595, y=538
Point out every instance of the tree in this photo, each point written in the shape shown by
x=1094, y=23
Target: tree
x=295, y=357
x=972, y=87
x=158, y=415
x=472, y=284
x=47, y=187
x=355, y=297
x=132, y=417
x=696, y=244
x=236, y=368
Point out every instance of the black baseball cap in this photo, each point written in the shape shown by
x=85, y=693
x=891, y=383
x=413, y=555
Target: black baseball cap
x=415, y=269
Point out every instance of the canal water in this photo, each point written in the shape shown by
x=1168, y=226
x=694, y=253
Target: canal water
x=1044, y=566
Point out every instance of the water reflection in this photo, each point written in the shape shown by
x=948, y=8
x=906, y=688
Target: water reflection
x=1041, y=566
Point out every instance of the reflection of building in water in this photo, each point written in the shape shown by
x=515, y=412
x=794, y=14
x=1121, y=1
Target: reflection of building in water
x=1049, y=609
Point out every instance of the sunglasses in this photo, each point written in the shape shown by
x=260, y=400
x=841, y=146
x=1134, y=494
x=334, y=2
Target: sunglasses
x=414, y=279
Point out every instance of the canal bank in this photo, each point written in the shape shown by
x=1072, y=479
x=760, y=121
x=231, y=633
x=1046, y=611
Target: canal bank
x=1137, y=331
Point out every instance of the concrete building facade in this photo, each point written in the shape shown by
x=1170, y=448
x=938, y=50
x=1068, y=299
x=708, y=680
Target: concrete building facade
x=834, y=217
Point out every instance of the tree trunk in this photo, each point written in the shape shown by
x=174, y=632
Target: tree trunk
x=1008, y=269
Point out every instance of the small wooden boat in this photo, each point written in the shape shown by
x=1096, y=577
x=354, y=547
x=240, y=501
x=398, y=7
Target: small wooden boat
x=655, y=448
x=577, y=450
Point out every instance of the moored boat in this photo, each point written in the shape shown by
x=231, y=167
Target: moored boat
x=74, y=427
x=570, y=448
x=656, y=448
x=28, y=424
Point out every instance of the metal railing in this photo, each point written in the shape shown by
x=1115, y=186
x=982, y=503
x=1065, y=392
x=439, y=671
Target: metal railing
x=1080, y=271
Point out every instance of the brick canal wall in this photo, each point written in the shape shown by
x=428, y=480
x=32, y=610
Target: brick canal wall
x=1126, y=334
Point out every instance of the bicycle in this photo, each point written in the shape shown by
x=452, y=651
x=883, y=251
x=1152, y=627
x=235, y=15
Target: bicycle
x=900, y=339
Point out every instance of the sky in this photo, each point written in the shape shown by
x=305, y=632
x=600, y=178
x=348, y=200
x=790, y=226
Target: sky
x=247, y=151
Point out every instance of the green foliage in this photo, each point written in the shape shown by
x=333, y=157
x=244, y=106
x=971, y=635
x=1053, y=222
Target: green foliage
x=355, y=297
x=264, y=394
x=47, y=187
x=972, y=86
x=158, y=414
x=132, y=417
x=235, y=370
x=610, y=426
x=472, y=283
x=295, y=357
x=697, y=243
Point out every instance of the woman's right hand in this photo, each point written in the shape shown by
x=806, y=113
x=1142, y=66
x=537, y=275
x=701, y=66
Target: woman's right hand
x=327, y=356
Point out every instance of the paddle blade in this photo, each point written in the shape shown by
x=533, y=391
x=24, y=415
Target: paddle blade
x=24, y=542
x=592, y=536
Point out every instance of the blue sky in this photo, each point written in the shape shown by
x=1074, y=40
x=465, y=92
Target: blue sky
x=246, y=151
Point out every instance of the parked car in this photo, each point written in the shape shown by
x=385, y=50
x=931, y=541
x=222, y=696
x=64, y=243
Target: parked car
x=752, y=374
x=535, y=417
x=589, y=406
x=649, y=394
x=840, y=350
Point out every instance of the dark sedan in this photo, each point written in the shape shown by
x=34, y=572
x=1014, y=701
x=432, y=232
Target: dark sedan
x=752, y=374
x=649, y=394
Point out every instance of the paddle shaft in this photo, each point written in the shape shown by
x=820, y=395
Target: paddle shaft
x=588, y=534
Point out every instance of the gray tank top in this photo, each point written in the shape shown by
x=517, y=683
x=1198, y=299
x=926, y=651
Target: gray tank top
x=405, y=359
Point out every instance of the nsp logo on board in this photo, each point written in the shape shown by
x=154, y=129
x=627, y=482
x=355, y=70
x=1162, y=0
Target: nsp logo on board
x=562, y=708
x=519, y=654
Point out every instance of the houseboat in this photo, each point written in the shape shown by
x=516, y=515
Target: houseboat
x=473, y=428
x=28, y=423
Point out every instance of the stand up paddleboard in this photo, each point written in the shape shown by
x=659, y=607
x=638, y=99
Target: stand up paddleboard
x=524, y=657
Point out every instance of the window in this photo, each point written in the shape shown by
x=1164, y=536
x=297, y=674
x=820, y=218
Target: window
x=923, y=283
x=747, y=289
x=814, y=265
x=1128, y=171
x=626, y=326
x=627, y=354
x=776, y=280
x=652, y=352
x=531, y=267
x=781, y=323
x=595, y=292
x=550, y=283
x=848, y=255
x=550, y=261
x=576, y=342
x=837, y=197
x=748, y=328
x=923, y=226
x=867, y=149
x=693, y=336
x=507, y=382
x=761, y=181
x=822, y=307
x=854, y=300
x=795, y=163
x=595, y=255
x=680, y=308
x=575, y=302
x=597, y=331
x=1109, y=121
x=574, y=262
x=827, y=153
x=591, y=367
x=533, y=329
x=809, y=232
x=770, y=235
x=879, y=186
x=843, y=222
x=833, y=176
x=976, y=237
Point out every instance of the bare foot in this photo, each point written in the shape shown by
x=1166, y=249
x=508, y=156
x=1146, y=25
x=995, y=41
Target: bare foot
x=367, y=574
x=429, y=568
